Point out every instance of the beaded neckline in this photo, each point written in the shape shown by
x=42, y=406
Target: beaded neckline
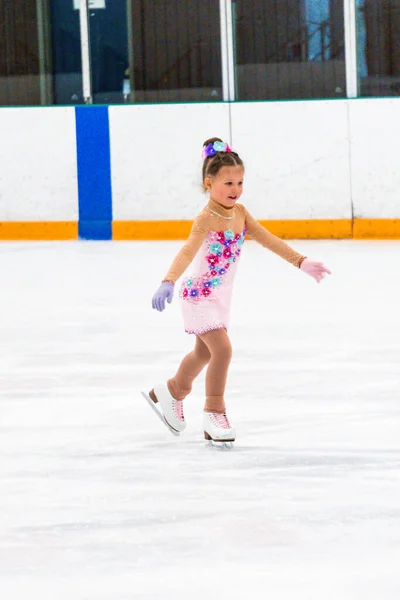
x=222, y=216
x=216, y=209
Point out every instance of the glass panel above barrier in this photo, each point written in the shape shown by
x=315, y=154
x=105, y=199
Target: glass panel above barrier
x=24, y=53
x=378, y=47
x=108, y=50
x=174, y=51
x=66, y=52
x=289, y=49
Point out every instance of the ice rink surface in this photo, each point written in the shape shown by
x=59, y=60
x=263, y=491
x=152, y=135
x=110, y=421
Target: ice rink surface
x=98, y=501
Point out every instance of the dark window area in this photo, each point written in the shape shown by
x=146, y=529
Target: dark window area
x=19, y=53
x=378, y=44
x=170, y=50
x=109, y=52
x=175, y=51
x=66, y=53
x=289, y=49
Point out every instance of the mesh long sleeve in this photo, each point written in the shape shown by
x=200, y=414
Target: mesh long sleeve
x=271, y=241
x=199, y=231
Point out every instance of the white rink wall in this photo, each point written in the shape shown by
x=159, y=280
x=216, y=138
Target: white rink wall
x=374, y=145
x=304, y=160
x=38, y=167
x=297, y=159
x=156, y=158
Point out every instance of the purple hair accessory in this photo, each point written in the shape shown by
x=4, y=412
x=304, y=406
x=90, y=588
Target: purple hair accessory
x=212, y=149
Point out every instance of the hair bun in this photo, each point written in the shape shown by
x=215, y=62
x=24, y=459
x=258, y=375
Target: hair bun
x=211, y=141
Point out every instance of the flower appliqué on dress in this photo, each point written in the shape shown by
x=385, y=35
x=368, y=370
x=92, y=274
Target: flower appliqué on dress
x=223, y=249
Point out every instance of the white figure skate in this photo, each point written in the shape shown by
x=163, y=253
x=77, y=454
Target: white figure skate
x=169, y=410
x=218, y=430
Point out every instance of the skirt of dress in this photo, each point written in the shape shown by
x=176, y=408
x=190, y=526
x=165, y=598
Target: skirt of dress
x=205, y=314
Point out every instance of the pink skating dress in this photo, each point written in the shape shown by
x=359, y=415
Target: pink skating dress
x=213, y=251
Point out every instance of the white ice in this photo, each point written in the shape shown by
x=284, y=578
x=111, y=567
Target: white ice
x=98, y=501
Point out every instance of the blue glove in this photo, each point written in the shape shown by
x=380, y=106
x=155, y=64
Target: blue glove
x=164, y=292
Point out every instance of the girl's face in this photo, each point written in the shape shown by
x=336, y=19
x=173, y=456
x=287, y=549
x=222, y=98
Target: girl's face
x=226, y=186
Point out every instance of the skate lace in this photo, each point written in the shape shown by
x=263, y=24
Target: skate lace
x=178, y=409
x=221, y=420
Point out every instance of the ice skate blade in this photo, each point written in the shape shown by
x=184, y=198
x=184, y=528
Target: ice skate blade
x=159, y=414
x=220, y=445
x=210, y=439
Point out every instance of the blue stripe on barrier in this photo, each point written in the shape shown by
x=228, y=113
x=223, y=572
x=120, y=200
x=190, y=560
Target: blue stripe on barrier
x=94, y=172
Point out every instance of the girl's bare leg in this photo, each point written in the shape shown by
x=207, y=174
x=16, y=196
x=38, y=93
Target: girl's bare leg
x=220, y=349
x=191, y=366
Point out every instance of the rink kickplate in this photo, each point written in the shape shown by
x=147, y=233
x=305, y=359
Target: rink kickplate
x=159, y=414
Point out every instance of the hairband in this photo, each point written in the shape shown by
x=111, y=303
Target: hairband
x=212, y=149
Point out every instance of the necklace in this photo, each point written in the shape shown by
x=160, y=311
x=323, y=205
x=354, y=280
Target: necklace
x=222, y=216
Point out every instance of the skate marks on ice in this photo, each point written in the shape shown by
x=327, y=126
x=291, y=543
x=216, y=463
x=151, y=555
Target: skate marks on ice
x=160, y=414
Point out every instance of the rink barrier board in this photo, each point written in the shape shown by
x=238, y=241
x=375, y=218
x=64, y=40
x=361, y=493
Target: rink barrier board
x=94, y=172
x=32, y=231
x=179, y=230
x=313, y=229
x=376, y=229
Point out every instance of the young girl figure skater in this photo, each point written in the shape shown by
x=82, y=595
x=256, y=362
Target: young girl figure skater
x=214, y=245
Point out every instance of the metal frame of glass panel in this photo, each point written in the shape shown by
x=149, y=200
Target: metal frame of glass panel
x=44, y=49
x=350, y=48
x=85, y=52
x=224, y=51
x=227, y=50
x=129, y=97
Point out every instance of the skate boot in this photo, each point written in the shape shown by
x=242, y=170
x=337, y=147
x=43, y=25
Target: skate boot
x=168, y=409
x=217, y=428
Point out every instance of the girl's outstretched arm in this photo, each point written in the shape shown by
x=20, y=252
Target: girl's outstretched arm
x=261, y=235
